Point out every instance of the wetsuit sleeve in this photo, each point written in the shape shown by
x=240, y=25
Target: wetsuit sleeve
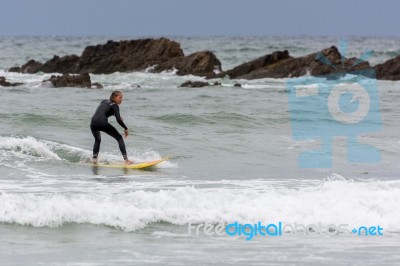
x=118, y=116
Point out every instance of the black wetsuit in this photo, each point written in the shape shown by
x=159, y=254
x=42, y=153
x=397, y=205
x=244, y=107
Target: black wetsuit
x=99, y=123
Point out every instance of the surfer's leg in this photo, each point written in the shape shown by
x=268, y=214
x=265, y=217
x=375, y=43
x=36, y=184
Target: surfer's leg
x=96, y=146
x=110, y=130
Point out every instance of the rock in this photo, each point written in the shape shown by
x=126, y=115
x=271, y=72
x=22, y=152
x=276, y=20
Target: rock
x=66, y=80
x=123, y=56
x=237, y=85
x=64, y=65
x=162, y=54
x=97, y=85
x=198, y=84
x=5, y=83
x=135, y=55
x=256, y=64
x=126, y=56
x=389, y=70
x=30, y=67
x=203, y=63
x=308, y=65
x=194, y=84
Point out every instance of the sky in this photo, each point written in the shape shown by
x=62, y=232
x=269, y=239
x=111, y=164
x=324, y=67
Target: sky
x=200, y=17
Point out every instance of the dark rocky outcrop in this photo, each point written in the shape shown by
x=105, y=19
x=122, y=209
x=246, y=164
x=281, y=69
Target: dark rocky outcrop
x=328, y=61
x=256, y=64
x=203, y=63
x=111, y=57
x=67, y=80
x=66, y=64
x=32, y=66
x=389, y=70
x=126, y=56
x=162, y=54
x=5, y=83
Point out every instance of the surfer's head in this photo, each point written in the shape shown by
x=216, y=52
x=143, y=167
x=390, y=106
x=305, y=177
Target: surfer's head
x=116, y=97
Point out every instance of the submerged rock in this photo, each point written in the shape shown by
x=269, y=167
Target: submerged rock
x=194, y=84
x=97, y=85
x=5, y=83
x=198, y=84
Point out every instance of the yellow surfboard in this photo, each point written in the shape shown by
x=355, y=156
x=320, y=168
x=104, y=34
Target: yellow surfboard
x=142, y=165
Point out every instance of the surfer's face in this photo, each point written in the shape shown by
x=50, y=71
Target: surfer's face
x=118, y=98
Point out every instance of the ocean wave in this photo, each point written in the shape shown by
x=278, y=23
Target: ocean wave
x=30, y=148
x=27, y=146
x=182, y=119
x=233, y=119
x=330, y=202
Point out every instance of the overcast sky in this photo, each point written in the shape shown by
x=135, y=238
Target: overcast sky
x=200, y=17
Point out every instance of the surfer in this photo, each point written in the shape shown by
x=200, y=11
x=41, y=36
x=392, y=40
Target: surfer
x=99, y=123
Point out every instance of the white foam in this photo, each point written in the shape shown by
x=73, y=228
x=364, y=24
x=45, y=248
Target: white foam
x=329, y=202
x=27, y=145
x=147, y=154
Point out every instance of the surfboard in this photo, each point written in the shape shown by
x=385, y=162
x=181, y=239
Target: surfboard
x=141, y=165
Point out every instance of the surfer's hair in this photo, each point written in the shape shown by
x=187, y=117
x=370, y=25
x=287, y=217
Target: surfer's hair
x=114, y=94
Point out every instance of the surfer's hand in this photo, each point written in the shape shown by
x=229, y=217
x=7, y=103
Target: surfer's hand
x=126, y=133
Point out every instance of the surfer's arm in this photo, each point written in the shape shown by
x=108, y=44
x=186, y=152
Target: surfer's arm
x=118, y=117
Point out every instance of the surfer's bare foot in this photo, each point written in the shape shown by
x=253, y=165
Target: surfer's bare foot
x=94, y=161
x=128, y=162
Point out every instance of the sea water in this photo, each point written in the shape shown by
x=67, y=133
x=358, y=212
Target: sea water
x=233, y=160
